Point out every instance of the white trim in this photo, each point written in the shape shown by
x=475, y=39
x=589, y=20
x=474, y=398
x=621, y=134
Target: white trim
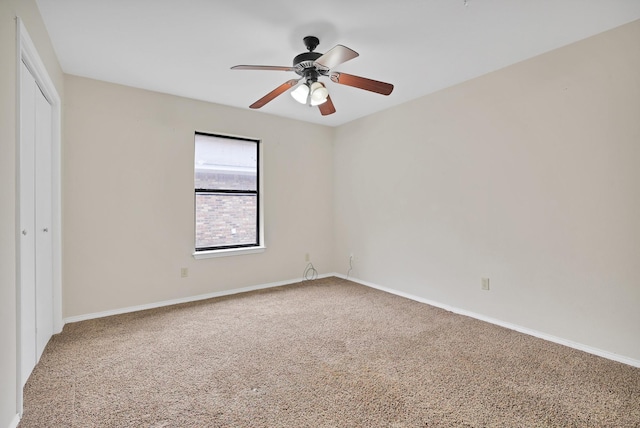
x=27, y=53
x=185, y=299
x=571, y=344
x=198, y=255
x=14, y=422
x=226, y=253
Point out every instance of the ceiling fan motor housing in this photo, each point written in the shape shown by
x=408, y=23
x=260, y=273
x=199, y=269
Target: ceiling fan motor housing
x=305, y=61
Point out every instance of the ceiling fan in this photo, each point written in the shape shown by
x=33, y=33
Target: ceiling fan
x=310, y=66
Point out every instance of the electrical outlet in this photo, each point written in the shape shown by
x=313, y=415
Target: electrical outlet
x=184, y=272
x=307, y=257
x=485, y=284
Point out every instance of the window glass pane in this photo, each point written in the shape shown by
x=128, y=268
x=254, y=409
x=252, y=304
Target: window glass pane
x=224, y=219
x=225, y=164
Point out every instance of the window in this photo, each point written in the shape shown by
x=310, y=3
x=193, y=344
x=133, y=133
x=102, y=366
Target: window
x=227, y=196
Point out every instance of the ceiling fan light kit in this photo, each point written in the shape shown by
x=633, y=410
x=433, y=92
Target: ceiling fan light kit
x=318, y=94
x=301, y=93
x=313, y=95
x=310, y=66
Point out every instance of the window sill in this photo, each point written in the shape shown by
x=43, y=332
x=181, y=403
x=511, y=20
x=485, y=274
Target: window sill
x=226, y=253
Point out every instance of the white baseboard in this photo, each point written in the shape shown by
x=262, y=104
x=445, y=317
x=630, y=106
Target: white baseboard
x=14, y=422
x=571, y=344
x=188, y=299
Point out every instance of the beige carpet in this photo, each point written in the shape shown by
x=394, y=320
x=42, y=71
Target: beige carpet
x=324, y=353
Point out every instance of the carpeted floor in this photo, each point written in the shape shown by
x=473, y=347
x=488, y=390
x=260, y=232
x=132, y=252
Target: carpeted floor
x=324, y=353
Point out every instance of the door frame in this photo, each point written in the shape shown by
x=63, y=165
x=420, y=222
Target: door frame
x=27, y=53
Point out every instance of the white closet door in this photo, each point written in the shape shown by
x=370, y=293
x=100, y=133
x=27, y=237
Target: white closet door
x=36, y=249
x=27, y=224
x=44, y=243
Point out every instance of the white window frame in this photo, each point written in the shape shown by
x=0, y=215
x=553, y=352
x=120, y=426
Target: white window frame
x=261, y=247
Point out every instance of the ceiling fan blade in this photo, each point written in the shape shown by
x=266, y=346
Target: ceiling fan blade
x=271, y=95
x=262, y=67
x=362, y=83
x=327, y=107
x=336, y=56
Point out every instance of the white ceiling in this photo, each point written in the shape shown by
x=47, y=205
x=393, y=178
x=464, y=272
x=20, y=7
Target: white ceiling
x=187, y=47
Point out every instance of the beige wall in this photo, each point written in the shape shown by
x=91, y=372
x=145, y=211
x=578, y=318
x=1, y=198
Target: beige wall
x=128, y=197
x=528, y=176
x=28, y=12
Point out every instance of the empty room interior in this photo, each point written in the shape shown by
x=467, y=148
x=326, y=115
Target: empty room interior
x=443, y=231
